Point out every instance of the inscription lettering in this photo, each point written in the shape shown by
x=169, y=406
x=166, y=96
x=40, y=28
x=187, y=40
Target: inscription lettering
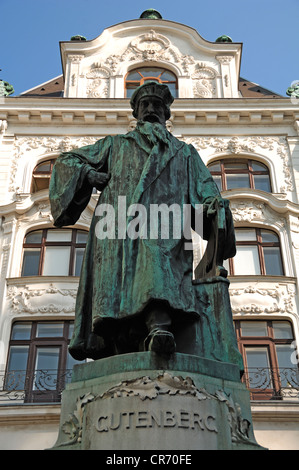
x=101, y=426
x=149, y=419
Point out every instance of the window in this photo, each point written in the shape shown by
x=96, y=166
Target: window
x=267, y=350
x=137, y=77
x=231, y=174
x=53, y=252
x=39, y=364
x=258, y=252
x=41, y=175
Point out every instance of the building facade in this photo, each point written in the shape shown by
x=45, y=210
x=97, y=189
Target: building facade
x=248, y=137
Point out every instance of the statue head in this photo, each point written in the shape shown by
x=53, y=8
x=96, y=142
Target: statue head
x=151, y=102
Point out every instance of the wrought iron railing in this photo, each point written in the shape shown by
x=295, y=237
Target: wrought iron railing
x=38, y=386
x=46, y=386
x=272, y=384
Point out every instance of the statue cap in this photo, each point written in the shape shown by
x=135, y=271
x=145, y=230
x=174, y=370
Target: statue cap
x=152, y=88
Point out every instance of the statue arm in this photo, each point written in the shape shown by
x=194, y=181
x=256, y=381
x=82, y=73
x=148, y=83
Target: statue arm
x=74, y=175
x=218, y=226
x=97, y=179
x=202, y=190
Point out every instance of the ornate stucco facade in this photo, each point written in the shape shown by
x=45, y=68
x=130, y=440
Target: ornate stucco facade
x=215, y=113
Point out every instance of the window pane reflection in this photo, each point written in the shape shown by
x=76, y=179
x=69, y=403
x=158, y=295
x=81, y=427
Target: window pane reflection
x=46, y=368
x=31, y=259
x=237, y=181
x=246, y=261
x=57, y=259
x=79, y=253
x=257, y=359
x=17, y=364
x=254, y=328
x=273, y=261
x=245, y=234
x=59, y=235
x=21, y=331
x=262, y=183
x=49, y=329
x=34, y=237
x=282, y=330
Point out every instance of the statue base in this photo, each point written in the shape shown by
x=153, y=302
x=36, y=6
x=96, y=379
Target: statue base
x=141, y=401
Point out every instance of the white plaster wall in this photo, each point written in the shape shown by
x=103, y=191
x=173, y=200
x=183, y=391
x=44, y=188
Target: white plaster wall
x=277, y=436
x=24, y=437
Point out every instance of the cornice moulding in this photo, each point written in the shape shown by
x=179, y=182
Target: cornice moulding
x=275, y=411
x=42, y=280
x=282, y=206
x=29, y=414
x=94, y=111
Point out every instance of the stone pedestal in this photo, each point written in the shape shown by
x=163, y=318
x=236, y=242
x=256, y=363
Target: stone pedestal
x=140, y=401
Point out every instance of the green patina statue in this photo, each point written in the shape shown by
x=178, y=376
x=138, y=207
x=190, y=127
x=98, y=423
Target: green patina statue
x=136, y=290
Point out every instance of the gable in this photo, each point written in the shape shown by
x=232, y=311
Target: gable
x=98, y=68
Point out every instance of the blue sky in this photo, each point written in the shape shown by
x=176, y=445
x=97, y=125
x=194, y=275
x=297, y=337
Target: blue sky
x=31, y=31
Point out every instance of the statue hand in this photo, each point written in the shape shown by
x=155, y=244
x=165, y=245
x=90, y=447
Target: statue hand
x=97, y=179
x=214, y=204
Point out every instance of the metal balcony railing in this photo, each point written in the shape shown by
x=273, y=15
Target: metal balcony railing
x=46, y=386
x=272, y=384
x=38, y=386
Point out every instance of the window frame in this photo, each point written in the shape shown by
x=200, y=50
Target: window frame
x=249, y=171
x=144, y=79
x=34, y=342
x=44, y=243
x=260, y=245
x=42, y=175
x=268, y=342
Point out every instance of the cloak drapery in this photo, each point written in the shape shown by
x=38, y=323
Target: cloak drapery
x=120, y=276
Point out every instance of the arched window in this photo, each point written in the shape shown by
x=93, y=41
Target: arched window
x=137, y=77
x=41, y=175
x=258, y=252
x=241, y=173
x=53, y=252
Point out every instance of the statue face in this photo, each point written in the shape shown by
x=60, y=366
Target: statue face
x=151, y=109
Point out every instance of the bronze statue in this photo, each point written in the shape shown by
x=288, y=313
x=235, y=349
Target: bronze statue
x=136, y=291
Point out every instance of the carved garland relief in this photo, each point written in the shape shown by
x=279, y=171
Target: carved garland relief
x=255, y=299
x=50, y=299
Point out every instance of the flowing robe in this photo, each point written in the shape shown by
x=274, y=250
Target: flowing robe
x=120, y=276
